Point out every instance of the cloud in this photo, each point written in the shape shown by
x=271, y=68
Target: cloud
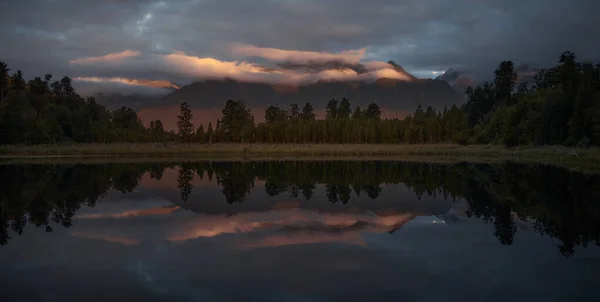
x=111, y=57
x=134, y=82
x=165, y=69
x=299, y=57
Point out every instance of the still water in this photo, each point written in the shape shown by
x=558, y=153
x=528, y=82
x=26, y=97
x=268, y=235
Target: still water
x=298, y=231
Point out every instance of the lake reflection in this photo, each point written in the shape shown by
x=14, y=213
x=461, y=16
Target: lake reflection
x=298, y=231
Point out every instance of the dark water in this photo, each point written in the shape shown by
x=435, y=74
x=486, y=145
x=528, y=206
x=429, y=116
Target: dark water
x=298, y=231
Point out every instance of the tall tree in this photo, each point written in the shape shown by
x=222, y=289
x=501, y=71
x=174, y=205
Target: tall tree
x=200, y=135
x=4, y=81
x=373, y=111
x=209, y=133
x=294, y=112
x=275, y=114
x=236, y=115
x=344, y=110
x=18, y=82
x=307, y=112
x=156, y=130
x=185, y=128
x=357, y=113
x=505, y=80
x=331, y=111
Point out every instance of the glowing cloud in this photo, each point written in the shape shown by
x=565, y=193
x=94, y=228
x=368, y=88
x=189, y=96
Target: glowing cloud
x=111, y=57
x=343, y=66
x=124, y=81
x=298, y=56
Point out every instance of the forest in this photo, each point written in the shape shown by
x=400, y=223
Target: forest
x=559, y=203
x=560, y=107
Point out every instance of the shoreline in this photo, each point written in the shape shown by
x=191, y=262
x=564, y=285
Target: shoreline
x=568, y=156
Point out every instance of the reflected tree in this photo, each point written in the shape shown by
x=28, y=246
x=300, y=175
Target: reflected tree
x=184, y=181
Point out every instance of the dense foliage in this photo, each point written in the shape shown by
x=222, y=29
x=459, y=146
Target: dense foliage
x=562, y=106
x=40, y=111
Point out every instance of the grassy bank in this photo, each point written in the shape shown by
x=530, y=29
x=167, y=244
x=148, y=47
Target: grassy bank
x=586, y=157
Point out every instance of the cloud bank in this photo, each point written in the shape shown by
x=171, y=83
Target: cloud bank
x=342, y=66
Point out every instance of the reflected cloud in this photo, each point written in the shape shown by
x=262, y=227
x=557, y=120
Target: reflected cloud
x=284, y=225
x=107, y=238
x=130, y=213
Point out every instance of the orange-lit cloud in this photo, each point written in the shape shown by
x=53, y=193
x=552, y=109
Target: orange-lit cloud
x=297, y=56
x=343, y=66
x=131, y=213
x=111, y=57
x=133, y=82
x=290, y=219
x=282, y=225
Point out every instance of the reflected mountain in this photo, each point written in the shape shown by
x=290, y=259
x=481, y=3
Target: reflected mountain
x=297, y=202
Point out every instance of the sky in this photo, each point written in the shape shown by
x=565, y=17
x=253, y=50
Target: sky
x=165, y=44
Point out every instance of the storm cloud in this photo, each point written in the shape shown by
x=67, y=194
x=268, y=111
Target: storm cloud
x=165, y=43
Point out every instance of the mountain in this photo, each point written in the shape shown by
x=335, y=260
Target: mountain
x=387, y=93
x=461, y=79
x=396, y=98
x=401, y=70
x=114, y=100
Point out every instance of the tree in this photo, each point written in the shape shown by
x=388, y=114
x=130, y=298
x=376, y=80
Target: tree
x=4, y=81
x=505, y=80
x=275, y=114
x=200, y=135
x=331, y=111
x=209, y=133
x=344, y=110
x=236, y=116
x=185, y=128
x=307, y=112
x=18, y=82
x=357, y=113
x=373, y=112
x=294, y=112
x=157, y=132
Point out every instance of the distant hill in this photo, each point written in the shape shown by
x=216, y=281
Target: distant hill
x=396, y=98
x=461, y=79
x=115, y=100
x=389, y=93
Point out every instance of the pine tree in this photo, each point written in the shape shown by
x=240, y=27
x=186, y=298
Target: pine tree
x=373, y=112
x=331, y=111
x=344, y=110
x=209, y=133
x=307, y=112
x=200, y=135
x=185, y=127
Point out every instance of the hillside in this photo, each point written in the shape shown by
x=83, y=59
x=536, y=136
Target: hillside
x=390, y=93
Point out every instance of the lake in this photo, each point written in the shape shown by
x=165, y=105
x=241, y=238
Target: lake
x=298, y=231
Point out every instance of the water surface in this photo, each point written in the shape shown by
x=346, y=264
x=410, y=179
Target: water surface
x=298, y=231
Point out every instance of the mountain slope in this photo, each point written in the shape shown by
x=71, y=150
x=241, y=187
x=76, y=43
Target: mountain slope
x=389, y=93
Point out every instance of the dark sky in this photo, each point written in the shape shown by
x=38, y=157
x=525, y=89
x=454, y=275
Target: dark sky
x=134, y=42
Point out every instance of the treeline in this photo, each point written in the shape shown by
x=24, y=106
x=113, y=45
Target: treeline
x=341, y=125
x=42, y=111
x=561, y=106
x=560, y=203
